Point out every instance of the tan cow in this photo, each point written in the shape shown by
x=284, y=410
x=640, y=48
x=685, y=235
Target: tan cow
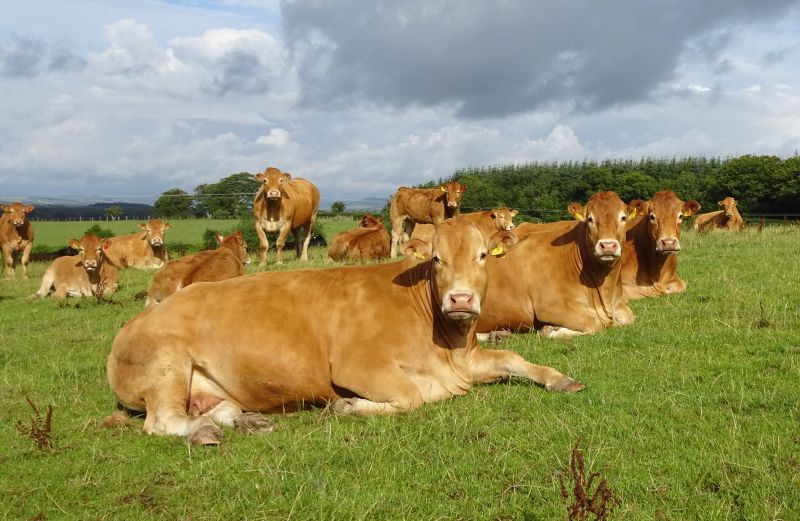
x=652, y=243
x=16, y=234
x=410, y=206
x=367, y=242
x=726, y=219
x=226, y=262
x=212, y=351
x=562, y=278
x=89, y=273
x=488, y=222
x=142, y=250
x=284, y=205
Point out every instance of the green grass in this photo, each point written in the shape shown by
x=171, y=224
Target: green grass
x=693, y=412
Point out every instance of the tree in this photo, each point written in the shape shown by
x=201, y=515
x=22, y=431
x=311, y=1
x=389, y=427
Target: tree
x=174, y=203
x=231, y=197
x=338, y=207
x=114, y=213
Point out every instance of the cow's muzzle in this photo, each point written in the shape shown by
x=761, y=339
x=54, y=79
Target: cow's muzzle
x=461, y=304
x=668, y=245
x=607, y=250
x=157, y=241
x=19, y=222
x=90, y=265
x=274, y=194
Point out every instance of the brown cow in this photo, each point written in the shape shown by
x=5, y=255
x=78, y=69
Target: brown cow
x=562, y=278
x=488, y=222
x=16, y=234
x=367, y=242
x=211, y=351
x=226, y=262
x=649, y=258
x=142, y=250
x=89, y=273
x=410, y=206
x=726, y=219
x=284, y=205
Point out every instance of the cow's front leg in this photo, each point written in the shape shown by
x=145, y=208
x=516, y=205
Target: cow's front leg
x=263, y=244
x=281, y=242
x=26, y=255
x=490, y=365
x=8, y=257
x=384, y=389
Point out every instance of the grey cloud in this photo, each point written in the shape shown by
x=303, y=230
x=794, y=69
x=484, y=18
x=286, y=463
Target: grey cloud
x=498, y=58
x=25, y=57
x=239, y=74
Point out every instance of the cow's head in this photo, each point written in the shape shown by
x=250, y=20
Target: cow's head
x=271, y=180
x=604, y=217
x=729, y=205
x=503, y=218
x=154, y=231
x=17, y=213
x=665, y=213
x=91, y=249
x=459, y=254
x=370, y=221
x=236, y=243
x=452, y=194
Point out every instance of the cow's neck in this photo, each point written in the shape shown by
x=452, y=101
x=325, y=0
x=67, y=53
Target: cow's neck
x=651, y=266
x=603, y=280
x=273, y=208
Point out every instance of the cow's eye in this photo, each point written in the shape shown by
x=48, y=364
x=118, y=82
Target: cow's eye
x=484, y=255
x=436, y=259
x=680, y=217
x=652, y=217
x=623, y=218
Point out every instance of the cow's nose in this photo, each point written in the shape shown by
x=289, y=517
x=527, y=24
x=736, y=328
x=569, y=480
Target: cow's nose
x=452, y=203
x=669, y=244
x=274, y=193
x=608, y=247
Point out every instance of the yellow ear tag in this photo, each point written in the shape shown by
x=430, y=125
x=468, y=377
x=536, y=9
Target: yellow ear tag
x=687, y=214
x=579, y=216
x=442, y=189
x=632, y=215
x=497, y=251
x=419, y=255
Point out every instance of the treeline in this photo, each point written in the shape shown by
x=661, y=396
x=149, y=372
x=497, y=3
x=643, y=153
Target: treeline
x=763, y=185
x=94, y=211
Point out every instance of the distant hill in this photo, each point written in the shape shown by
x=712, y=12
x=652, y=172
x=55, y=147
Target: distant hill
x=97, y=211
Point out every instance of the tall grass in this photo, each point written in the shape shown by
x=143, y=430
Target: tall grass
x=692, y=412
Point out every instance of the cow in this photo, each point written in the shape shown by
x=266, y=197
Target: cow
x=226, y=262
x=652, y=243
x=410, y=206
x=488, y=222
x=562, y=278
x=89, y=273
x=367, y=242
x=16, y=234
x=217, y=353
x=726, y=219
x=284, y=205
x=141, y=250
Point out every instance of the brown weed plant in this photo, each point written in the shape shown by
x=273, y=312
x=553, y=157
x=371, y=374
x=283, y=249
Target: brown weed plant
x=600, y=503
x=40, y=429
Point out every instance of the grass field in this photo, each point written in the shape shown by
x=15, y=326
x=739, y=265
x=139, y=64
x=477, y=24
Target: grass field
x=693, y=412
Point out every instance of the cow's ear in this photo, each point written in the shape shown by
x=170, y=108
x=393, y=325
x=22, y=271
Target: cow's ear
x=28, y=209
x=286, y=176
x=143, y=226
x=106, y=244
x=577, y=211
x=462, y=188
x=513, y=213
x=501, y=242
x=167, y=226
x=492, y=214
x=442, y=188
x=219, y=238
x=417, y=249
x=635, y=207
x=260, y=177
x=74, y=244
x=6, y=208
x=690, y=208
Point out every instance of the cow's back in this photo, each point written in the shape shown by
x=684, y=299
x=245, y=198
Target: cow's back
x=420, y=205
x=301, y=201
x=129, y=250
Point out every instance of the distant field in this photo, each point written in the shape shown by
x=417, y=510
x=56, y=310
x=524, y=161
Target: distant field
x=692, y=412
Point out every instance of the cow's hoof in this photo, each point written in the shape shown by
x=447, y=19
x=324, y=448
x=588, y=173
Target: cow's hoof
x=343, y=406
x=206, y=435
x=500, y=336
x=567, y=385
x=253, y=423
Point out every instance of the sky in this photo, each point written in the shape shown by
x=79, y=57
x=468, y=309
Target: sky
x=127, y=99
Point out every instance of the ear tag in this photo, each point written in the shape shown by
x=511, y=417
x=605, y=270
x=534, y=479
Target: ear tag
x=442, y=189
x=419, y=255
x=687, y=213
x=579, y=216
x=497, y=251
x=632, y=215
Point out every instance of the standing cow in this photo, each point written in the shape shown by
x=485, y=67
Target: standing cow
x=726, y=219
x=284, y=205
x=89, y=273
x=212, y=351
x=369, y=241
x=410, y=206
x=142, y=250
x=16, y=234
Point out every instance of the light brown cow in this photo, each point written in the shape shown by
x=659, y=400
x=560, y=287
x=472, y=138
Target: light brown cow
x=367, y=242
x=89, y=273
x=211, y=351
x=562, y=278
x=16, y=234
x=142, y=250
x=226, y=262
x=410, y=206
x=284, y=205
x=649, y=258
x=726, y=219
x=488, y=222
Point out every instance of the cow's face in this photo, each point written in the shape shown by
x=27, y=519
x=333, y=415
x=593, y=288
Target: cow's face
x=236, y=243
x=459, y=255
x=503, y=218
x=665, y=214
x=370, y=221
x=154, y=231
x=17, y=213
x=453, y=192
x=729, y=205
x=91, y=249
x=271, y=181
x=605, y=216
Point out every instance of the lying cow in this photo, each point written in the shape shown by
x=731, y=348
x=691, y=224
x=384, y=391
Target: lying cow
x=89, y=273
x=367, y=242
x=652, y=243
x=226, y=262
x=142, y=250
x=410, y=206
x=562, y=278
x=212, y=351
x=284, y=205
x=16, y=235
x=488, y=222
x=726, y=219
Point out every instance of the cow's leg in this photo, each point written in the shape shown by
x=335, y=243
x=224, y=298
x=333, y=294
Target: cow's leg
x=389, y=393
x=26, y=255
x=489, y=365
x=8, y=257
x=398, y=228
x=309, y=233
x=549, y=331
x=676, y=285
x=623, y=315
x=298, y=243
x=281, y=242
x=263, y=244
x=230, y=414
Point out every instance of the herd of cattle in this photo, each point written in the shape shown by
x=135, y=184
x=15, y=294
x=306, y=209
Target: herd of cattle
x=214, y=347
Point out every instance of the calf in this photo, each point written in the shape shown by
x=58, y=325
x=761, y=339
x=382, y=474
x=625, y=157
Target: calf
x=410, y=206
x=367, y=242
x=89, y=273
x=726, y=219
x=142, y=250
x=16, y=234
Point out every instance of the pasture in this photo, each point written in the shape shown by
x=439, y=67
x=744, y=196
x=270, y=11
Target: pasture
x=693, y=412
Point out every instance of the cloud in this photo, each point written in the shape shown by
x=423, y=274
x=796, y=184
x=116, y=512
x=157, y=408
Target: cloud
x=26, y=57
